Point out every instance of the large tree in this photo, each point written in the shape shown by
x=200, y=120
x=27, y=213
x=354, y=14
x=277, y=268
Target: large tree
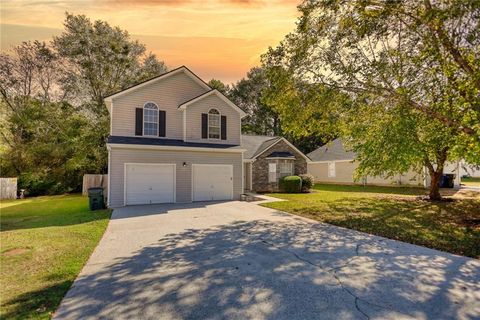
x=396, y=50
x=397, y=61
x=309, y=112
x=247, y=94
x=45, y=140
x=101, y=60
x=220, y=86
x=53, y=122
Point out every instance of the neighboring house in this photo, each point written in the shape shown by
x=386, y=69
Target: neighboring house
x=469, y=170
x=267, y=159
x=175, y=139
x=332, y=163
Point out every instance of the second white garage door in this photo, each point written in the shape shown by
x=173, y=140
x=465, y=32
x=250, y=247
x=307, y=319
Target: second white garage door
x=147, y=183
x=212, y=182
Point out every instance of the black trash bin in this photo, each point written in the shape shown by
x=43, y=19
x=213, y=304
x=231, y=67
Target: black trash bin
x=95, y=198
x=447, y=180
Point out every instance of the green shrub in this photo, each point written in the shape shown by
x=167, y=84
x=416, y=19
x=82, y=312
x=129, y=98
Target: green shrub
x=46, y=183
x=307, y=182
x=291, y=184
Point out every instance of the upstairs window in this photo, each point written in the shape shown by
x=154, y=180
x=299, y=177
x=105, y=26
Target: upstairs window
x=213, y=124
x=150, y=119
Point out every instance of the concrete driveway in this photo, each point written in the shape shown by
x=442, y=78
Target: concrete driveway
x=237, y=260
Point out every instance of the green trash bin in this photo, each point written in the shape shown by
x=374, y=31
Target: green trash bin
x=95, y=198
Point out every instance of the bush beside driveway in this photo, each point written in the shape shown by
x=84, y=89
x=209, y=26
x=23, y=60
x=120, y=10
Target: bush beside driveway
x=45, y=242
x=392, y=212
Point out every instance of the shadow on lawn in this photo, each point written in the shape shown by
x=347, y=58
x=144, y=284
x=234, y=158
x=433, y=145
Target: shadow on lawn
x=449, y=226
x=266, y=270
x=36, y=304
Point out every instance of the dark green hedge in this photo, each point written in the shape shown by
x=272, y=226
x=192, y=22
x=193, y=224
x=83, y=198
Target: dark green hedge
x=291, y=184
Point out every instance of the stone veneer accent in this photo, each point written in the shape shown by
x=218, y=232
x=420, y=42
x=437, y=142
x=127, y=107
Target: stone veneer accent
x=260, y=167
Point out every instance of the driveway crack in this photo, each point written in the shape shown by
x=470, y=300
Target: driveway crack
x=329, y=270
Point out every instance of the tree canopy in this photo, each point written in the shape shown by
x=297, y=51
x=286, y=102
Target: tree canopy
x=410, y=70
x=54, y=123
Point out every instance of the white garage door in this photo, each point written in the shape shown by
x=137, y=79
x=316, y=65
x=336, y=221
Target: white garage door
x=212, y=182
x=149, y=183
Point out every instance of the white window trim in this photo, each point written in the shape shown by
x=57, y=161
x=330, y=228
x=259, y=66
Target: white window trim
x=290, y=172
x=143, y=120
x=219, y=115
x=272, y=165
x=330, y=175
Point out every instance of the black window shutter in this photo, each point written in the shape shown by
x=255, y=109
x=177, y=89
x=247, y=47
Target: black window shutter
x=139, y=121
x=223, y=128
x=161, y=123
x=204, y=126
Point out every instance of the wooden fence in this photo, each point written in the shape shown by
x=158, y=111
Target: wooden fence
x=8, y=188
x=95, y=180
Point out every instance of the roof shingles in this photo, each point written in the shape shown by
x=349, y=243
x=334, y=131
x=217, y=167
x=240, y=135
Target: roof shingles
x=256, y=144
x=331, y=151
x=167, y=142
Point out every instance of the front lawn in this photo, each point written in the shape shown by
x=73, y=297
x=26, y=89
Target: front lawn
x=45, y=242
x=471, y=181
x=396, y=213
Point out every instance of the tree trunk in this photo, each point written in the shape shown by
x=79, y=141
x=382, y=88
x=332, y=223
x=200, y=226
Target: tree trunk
x=436, y=173
x=434, y=193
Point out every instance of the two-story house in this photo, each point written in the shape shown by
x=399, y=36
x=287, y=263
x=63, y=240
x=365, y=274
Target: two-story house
x=175, y=139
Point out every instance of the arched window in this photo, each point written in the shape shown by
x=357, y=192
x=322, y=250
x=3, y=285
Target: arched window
x=213, y=124
x=150, y=119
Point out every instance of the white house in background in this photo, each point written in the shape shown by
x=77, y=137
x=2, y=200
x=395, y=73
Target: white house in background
x=469, y=170
x=332, y=163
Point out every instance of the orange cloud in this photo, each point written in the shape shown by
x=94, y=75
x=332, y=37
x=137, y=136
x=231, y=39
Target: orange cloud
x=219, y=39
x=147, y=2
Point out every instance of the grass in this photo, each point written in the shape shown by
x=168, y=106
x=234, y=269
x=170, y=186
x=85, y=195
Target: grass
x=395, y=213
x=45, y=242
x=471, y=181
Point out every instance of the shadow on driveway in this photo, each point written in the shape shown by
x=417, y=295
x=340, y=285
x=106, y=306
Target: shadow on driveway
x=275, y=267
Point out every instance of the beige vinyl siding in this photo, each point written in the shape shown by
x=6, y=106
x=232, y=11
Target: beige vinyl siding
x=343, y=172
x=380, y=180
x=193, y=121
x=412, y=178
x=168, y=94
x=120, y=156
x=409, y=179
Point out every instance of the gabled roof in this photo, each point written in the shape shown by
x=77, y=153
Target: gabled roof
x=256, y=145
x=332, y=151
x=163, y=76
x=220, y=95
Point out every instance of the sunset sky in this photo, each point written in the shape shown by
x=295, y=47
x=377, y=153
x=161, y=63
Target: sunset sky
x=219, y=39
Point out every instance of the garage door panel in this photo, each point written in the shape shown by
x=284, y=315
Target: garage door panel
x=150, y=183
x=212, y=182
